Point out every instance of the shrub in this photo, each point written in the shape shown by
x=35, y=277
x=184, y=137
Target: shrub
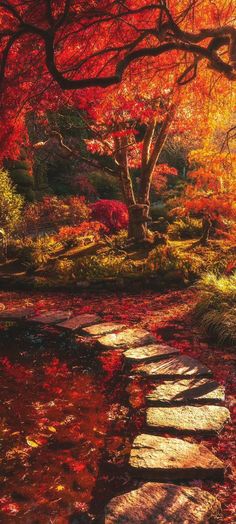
x=105, y=185
x=216, y=308
x=82, y=234
x=185, y=228
x=64, y=269
x=21, y=174
x=103, y=266
x=53, y=212
x=11, y=204
x=36, y=252
x=166, y=258
x=78, y=209
x=112, y=213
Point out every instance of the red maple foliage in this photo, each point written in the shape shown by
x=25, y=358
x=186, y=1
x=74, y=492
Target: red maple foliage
x=112, y=213
x=49, y=50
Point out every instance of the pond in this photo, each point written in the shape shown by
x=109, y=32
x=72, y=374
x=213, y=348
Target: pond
x=69, y=413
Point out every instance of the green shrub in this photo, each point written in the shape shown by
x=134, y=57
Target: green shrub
x=11, y=204
x=185, y=228
x=166, y=258
x=103, y=266
x=106, y=186
x=21, y=174
x=215, y=311
x=35, y=253
x=22, y=178
x=158, y=210
x=64, y=269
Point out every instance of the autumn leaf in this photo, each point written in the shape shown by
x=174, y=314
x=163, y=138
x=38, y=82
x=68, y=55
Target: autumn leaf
x=32, y=443
x=60, y=487
x=52, y=429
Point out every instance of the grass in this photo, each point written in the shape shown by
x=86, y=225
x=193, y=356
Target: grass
x=216, y=308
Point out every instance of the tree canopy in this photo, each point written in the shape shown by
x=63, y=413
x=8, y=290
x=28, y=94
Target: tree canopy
x=51, y=52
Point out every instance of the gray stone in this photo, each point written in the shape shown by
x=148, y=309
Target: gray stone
x=188, y=419
x=75, y=323
x=151, y=353
x=128, y=338
x=179, y=366
x=16, y=314
x=51, y=317
x=102, y=329
x=154, y=503
x=197, y=391
x=166, y=459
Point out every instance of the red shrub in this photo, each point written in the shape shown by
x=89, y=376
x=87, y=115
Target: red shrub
x=52, y=212
x=86, y=229
x=112, y=213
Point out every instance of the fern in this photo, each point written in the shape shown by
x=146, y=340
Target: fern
x=216, y=309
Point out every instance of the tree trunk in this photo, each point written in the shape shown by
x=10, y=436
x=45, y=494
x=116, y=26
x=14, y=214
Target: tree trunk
x=206, y=228
x=138, y=223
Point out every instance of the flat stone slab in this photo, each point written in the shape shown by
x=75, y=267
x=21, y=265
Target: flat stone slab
x=16, y=314
x=51, y=317
x=188, y=419
x=151, y=353
x=176, y=366
x=75, y=323
x=102, y=329
x=166, y=459
x=155, y=503
x=197, y=391
x=130, y=337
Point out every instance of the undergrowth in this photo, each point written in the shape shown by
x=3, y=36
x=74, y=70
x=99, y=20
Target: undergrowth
x=216, y=308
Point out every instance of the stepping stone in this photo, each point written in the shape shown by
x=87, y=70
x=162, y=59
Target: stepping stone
x=155, y=503
x=180, y=366
x=17, y=314
x=51, y=317
x=166, y=459
x=151, y=353
x=129, y=337
x=75, y=323
x=188, y=419
x=197, y=391
x=102, y=329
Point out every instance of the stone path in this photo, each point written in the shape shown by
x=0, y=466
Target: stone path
x=127, y=338
x=103, y=329
x=188, y=419
x=161, y=458
x=53, y=317
x=193, y=391
x=185, y=403
x=151, y=353
x=180, y=366
x=155, y=503
x=78, y=322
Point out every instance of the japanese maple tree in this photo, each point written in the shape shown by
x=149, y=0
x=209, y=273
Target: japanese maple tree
x=61, y=53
